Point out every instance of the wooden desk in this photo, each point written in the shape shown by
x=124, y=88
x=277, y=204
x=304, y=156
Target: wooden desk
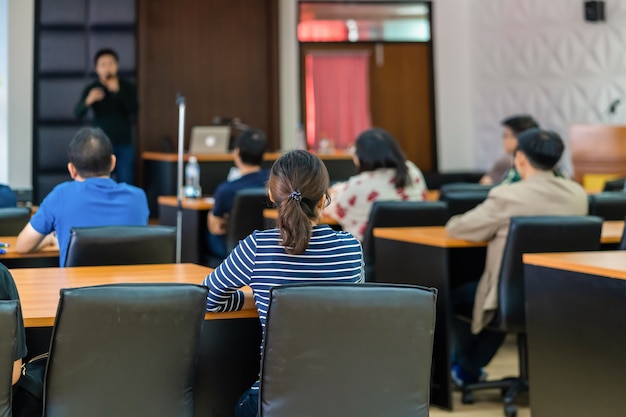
x=429, y=256
x=47, y=257
x=160, y=171
x=39, y=287
x=194, y=234
x=229, y=349
x=598, y=149
x=576, y=325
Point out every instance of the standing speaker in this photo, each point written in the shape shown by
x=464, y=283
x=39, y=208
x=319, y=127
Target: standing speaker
x=594, y=11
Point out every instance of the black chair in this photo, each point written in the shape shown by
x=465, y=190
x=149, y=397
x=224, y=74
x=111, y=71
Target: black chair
x=530, y=235
x=13, y=220
x=462, y=197
x=8, y=343
x=398, y=214
x=246, y=215
x=615, y=185
x=622, y=245
x=361, y=350
x=608, y=205
x=125, y=350
x=121, y=245
x=436, y=180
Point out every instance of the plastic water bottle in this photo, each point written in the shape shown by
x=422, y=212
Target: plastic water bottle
x=192, y=179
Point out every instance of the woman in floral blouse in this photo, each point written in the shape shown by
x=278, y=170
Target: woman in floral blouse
x=384, y=174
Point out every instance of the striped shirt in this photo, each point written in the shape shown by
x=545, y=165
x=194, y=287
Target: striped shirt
x=259, y=261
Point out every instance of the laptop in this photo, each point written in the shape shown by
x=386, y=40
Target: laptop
x=209, y=139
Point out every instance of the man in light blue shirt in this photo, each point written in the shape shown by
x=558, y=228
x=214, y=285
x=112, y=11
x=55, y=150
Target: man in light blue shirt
x=91, y=199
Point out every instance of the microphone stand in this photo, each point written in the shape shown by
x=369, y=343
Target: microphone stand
x=180, y=102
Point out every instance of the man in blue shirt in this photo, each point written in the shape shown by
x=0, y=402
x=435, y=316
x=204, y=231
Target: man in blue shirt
x=91, y=199
x=248, y=157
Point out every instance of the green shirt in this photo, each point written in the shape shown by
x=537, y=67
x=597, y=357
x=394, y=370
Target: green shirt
x=114, y=113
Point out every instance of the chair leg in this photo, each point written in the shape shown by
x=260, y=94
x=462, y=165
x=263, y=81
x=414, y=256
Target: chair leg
x=521, y=384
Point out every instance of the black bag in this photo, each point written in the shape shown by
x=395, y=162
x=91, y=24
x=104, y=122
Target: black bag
x=28, y=392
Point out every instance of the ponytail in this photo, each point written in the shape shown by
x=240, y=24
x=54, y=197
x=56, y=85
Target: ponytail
x=298, y=181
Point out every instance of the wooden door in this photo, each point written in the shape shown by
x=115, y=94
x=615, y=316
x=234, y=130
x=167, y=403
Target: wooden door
x=401, y=93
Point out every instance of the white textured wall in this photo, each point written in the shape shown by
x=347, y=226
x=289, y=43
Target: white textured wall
x=20, y=92
x=541, y=57
x=453, y=84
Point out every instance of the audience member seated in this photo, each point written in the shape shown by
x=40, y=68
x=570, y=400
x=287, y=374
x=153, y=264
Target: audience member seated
x=93, y=198
x=248, y=157
x=383, y=174
x=8, y=291
x=539, y=193
x=7, y=197
x=299, y=251
x=513, y=126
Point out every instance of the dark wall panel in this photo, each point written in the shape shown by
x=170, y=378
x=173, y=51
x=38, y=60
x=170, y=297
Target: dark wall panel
x=221, y=54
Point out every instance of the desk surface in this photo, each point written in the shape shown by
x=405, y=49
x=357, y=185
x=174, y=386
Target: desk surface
x=39, y=287
x=610, y=264
x=47, y=252
x=205, y=203
x=428, y=235
x=437, y=235
x=225, y=157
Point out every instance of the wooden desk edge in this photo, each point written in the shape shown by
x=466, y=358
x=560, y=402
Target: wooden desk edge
x=390, y=233
x=242, y=314
x=549, y=260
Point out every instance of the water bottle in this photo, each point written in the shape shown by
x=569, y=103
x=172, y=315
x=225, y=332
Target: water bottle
x=300, y=137
x=192, y=179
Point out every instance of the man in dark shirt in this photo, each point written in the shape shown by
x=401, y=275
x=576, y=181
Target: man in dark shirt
x=114, y=105
x=248, y=157
x=8, y=291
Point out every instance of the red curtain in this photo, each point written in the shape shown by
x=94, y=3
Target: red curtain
x=337, y=97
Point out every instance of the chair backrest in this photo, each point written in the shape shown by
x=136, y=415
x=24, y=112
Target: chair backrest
x=124, y=349
x=615, y=185
x=13, y=220
x=8, y=343
x=399, y=214
x=537, y=235
x=608, y=205
x=361, y=350
x=246, y=215
x=462, y=197
x=121, y=245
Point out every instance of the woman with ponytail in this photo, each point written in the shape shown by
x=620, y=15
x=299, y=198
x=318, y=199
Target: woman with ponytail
x=299, y=250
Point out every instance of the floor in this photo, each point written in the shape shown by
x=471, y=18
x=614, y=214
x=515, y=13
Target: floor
x=488, y=403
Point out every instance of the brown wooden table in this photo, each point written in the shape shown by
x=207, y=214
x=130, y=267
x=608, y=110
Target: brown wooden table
x=576, y=325
x=229, y=343
x=39, y=287
x=160, y=170
x=47, y=257
x=429, y=256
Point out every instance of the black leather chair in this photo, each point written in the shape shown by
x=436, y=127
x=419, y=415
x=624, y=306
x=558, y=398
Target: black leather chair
x=436, y=180
x=13, y=220
x=246, y=215
x=8, y=343
x=608, y=205
x=121, y=245
x=615, y=185
x=530, y=235
x=361, y=350
x=462, y=197
x=622, y=244
x=398, y=214
x=125, y=350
